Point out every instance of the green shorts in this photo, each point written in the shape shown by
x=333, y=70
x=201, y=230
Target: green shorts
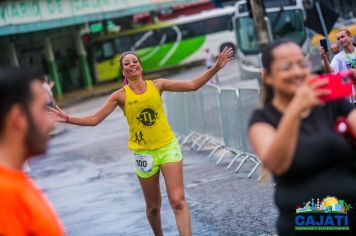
x=148, y=162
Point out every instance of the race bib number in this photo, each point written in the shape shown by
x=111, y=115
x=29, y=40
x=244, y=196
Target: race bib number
x=143, y=162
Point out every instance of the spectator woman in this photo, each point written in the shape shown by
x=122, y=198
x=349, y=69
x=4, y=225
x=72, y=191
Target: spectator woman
x=294, y=134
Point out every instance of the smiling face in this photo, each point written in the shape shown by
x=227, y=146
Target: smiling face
x=334, y=48
x=131, y=66
x=343, y=38
x=289, y=69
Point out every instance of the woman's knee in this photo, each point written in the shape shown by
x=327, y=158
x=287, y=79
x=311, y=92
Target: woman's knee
x=178, y=203
x=153, y=210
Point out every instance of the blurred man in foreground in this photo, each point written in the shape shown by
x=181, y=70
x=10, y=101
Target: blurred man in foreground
x=24, y=128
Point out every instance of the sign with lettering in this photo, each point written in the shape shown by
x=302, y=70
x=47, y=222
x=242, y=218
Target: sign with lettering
x=29, y=11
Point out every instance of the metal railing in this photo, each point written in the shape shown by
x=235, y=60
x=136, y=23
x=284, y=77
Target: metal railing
x=215, y=119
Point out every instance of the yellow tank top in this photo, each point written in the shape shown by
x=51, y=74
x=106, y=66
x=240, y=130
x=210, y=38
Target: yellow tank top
x=148, y=125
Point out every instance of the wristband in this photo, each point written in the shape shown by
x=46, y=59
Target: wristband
x=66, y=119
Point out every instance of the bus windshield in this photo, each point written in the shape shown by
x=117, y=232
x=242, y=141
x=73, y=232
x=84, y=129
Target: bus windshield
x=287, y=24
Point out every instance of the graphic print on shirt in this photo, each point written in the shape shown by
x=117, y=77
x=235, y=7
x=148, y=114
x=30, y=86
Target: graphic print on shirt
x=139, y=138
x=351, y=60
x=147, y=117
x=351, y=63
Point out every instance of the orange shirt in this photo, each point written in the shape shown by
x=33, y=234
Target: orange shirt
x=24, y=210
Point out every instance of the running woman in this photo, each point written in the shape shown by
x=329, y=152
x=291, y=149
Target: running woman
x=151, y=138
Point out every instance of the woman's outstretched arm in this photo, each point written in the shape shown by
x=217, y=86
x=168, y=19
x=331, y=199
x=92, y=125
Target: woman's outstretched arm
x=109, y=106
x=184, y=86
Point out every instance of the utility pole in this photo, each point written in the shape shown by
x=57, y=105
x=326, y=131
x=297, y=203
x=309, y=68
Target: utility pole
x=263, y=31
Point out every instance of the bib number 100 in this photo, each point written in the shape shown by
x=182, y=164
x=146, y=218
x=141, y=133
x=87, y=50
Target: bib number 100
x=141, y=163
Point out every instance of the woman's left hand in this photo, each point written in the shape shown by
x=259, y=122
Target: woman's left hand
x=224, y=57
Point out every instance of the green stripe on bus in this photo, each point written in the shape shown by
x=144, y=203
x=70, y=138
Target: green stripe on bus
x=185, y=49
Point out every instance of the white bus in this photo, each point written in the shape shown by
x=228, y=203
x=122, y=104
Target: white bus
x=165, y=44
x=286, y=20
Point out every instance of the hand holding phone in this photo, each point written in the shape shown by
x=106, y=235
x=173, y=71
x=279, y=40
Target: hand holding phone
x=324, y=44
x=340, y=85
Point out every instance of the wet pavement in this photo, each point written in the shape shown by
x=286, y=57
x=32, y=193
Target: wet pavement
x=89, y=177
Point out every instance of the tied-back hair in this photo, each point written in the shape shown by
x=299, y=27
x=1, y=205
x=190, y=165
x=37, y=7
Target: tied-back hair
x=267, y=61
x=123, y=55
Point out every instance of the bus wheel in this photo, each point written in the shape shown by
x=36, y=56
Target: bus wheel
x=229, y=45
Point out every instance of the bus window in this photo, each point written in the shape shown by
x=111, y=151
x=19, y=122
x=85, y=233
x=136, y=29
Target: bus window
x=98, y=52
x=213, y=25
x=206, y=26
x=227, y=20
x=217, y=24
x=104, y=50
x=147, y=39
x=108, y=49
x=288, y=25
x=246, y=35
x=190, y=30
x=284, y=24
x=123, y=44
x=170, y=34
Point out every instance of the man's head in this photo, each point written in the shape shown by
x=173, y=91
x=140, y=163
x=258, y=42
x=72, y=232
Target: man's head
x=344, y=38
x=334, y=47
x=23, y=115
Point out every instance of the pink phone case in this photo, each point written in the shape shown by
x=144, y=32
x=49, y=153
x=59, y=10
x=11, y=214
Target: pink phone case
x=340, y=85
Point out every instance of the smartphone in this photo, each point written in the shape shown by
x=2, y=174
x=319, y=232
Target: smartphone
x=340, y=84
x=324, y=44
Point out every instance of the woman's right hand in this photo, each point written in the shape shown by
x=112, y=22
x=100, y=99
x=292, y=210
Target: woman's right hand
x=323, y=53
x=58, y=115
x=308, y=95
